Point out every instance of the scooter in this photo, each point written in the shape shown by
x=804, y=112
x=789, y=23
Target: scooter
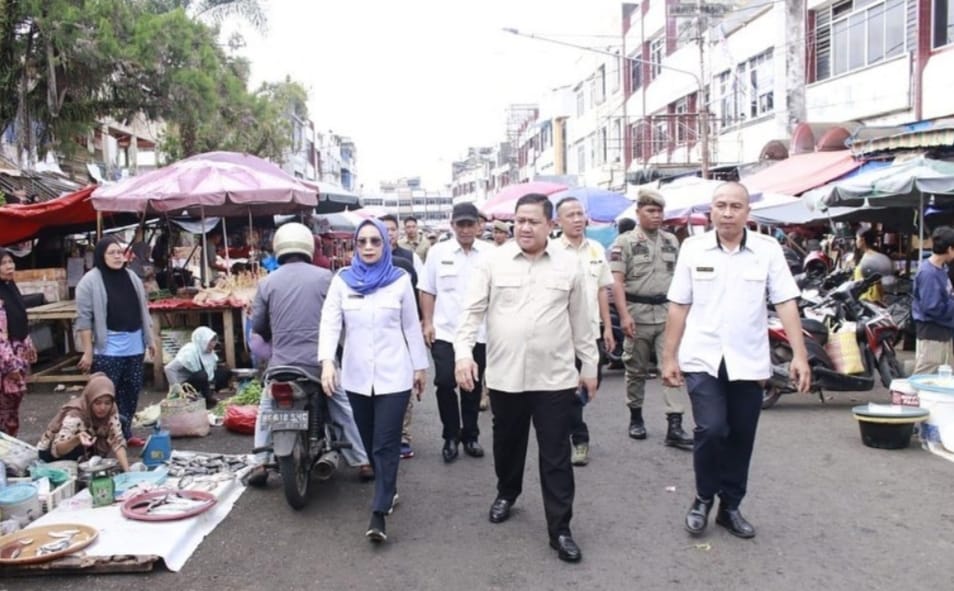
x=304, y=439
x=876, y=334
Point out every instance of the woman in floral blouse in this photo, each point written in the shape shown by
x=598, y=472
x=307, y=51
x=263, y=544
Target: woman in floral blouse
x=87, y=425
x=16, y=348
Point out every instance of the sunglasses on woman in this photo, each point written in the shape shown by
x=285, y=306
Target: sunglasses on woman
x=373, y=241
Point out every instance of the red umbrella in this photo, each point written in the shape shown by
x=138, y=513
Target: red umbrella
x=501, y=205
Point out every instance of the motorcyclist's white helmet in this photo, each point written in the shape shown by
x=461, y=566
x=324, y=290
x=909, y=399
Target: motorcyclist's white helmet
x=293, y=238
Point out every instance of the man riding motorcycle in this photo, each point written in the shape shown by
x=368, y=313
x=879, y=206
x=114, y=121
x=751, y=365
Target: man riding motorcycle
x=286, y=314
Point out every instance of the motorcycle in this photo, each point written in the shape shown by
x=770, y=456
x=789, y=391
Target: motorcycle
x=877, y=334
x=304, y=438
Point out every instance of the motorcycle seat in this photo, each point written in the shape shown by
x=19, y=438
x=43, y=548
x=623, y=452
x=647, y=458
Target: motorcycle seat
x=816, y=329
x=287, y=373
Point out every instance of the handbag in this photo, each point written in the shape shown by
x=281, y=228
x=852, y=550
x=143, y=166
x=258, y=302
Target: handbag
x=844, y=350
x=183, y=413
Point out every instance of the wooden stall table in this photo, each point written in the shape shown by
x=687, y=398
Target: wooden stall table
x=172, y=307
x=62, y=313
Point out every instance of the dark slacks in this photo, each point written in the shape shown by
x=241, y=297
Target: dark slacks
x=126, y=374
x=459, y=421
x=550, y=414
x=726, y=414
x=379, y=419
x=579, y=432
x=200, y=381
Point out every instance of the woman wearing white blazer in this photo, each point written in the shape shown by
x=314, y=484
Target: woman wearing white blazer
x=373, y=304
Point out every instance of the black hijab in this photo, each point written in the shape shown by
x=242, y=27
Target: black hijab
x=17, y=325
x=123, y=313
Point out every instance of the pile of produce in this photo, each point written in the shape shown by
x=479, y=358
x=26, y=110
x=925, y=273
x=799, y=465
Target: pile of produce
x=237, y=290
x=248, y=393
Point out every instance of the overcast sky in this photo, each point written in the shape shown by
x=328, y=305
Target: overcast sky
x=416, y=82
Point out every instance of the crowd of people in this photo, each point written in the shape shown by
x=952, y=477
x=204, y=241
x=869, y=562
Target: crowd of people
x=519, y=320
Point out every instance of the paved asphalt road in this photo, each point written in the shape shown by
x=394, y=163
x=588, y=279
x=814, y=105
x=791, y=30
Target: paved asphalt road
x=830, y=513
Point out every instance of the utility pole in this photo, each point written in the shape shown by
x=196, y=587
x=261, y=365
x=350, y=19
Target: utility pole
x=701, y=11
x=701, y=107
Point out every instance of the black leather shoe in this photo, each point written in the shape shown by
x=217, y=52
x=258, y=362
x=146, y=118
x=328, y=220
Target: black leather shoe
x=732, y=520
x=675, y=436
x=698, y=516
x=566, y=548
x=376, y=529
x=500, y=510
x=450, y=450
x=637, y=428
x=473, y=449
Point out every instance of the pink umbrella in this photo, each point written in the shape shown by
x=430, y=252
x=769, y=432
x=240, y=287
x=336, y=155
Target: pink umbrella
x=212, y=184
x=501, y=205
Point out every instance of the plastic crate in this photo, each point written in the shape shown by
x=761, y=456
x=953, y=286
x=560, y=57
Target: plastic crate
x=56, y=496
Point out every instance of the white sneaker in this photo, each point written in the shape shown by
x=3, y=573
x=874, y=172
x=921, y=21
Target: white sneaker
x=581, y=454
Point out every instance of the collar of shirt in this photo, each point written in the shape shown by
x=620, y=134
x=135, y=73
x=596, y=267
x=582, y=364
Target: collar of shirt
x=713, y=241
x=514, y=250
x=477, y=246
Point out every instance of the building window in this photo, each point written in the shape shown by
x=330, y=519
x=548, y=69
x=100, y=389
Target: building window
x=604, y=146
x=618, y=139
x=600, y=85
x=656, y=47
x=660, y=136
x=748, y=92
x=580, y=103
x=943, y=22
x=854, y=34
x=594, y=150
x=581, y=157
x=681, y=109
x=635, y=72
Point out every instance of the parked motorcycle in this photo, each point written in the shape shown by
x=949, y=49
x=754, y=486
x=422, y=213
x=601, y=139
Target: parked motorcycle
x=304, y=439
x=876, y=333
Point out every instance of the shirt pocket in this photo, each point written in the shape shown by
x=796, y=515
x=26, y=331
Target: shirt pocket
x=754, y=284
x=703, y=285
x=506, y=290
x=556, y=288
x=447, y=278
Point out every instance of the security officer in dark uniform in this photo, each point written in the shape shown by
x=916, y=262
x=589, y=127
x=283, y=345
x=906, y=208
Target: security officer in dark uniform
x=643, y=261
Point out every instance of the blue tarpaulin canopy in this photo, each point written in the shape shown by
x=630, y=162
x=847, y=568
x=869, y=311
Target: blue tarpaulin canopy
x=601, y=205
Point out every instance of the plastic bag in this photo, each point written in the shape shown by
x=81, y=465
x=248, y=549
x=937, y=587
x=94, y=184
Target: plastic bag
x=241, y=419
x=844, y=350
x=16, y=455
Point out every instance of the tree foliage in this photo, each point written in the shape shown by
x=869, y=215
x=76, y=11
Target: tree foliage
x=66, y=64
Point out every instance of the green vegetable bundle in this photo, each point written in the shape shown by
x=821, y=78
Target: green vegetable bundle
x=249, y=393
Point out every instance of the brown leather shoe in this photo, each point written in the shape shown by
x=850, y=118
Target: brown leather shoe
x=365, y=473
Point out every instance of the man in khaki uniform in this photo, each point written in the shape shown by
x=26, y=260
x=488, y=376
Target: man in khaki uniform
x=413, y=240
x=643, y=261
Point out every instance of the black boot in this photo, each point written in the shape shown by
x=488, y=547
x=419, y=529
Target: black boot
x=637, y=428
x=675, y=436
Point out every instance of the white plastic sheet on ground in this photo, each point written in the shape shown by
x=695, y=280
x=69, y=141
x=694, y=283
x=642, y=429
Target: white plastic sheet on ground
x=173, y=541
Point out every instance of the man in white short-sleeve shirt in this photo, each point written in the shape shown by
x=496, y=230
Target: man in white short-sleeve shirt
x=718, y=324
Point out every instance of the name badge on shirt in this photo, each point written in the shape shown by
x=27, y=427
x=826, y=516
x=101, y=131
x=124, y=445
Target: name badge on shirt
x=450, y=262
x=355, y=296
x=705, y=269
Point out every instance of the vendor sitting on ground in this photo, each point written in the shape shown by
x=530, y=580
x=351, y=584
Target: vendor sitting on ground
x=86, y=426
x=197, y=364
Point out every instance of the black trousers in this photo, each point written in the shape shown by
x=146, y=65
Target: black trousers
x=460, y=421
x=579, y=432
x=550, y=414
x=726, y=414
x=200, y=381
x=379, y=419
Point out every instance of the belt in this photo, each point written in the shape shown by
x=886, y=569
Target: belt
x=653, y=300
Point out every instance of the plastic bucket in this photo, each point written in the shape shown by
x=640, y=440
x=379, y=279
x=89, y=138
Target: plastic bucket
x=20, y=502
x=937, y=396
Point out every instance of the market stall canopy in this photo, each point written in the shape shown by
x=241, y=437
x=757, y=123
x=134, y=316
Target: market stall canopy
x=801, y=172
x=332, y=198
x=212, y=184
x=785, y=210
x=600, y=205
x=22, y=222
x=902, y=184
x=501, y=205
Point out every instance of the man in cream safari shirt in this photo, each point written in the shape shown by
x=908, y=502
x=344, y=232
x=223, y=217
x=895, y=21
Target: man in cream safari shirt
x=532, y=295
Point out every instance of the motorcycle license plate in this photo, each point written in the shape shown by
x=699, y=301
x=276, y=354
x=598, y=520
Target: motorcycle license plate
x=286, y=420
